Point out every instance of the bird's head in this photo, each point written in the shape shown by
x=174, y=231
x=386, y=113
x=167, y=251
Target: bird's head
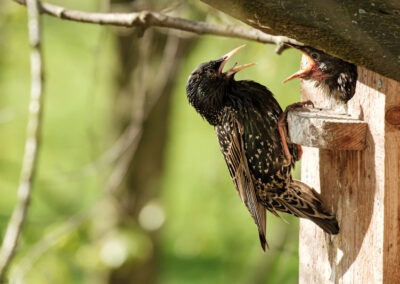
x=207, y=84
x=318, y=65
x=327, y=71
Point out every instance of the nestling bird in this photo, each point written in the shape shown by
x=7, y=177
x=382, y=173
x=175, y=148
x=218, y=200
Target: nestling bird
x=336, y=77
x=245, y=116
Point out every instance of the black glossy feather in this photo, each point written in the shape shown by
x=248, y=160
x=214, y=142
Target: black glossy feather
x=245, y=116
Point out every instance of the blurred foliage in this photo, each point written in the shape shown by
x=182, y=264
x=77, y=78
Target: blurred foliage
x=208, y=235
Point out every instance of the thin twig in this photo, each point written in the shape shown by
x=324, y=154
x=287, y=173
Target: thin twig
x=135, y=129
x=132, y=133
x=49, y=240
x=32, y=143
x=145, y=19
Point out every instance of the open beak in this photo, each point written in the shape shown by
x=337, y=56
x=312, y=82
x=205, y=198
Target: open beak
x=235, y=68
x=306, y=69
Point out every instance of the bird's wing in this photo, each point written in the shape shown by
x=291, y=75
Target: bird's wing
x=346, y=83
x=230, y=137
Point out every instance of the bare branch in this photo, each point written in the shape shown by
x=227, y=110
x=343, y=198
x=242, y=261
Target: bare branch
x=49, y=240
x=32, y=144
x=139, y=113
x=145, y=19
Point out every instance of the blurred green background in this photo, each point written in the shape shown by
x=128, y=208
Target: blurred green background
x=88, y=221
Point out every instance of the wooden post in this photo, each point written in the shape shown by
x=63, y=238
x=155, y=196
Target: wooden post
x=361, y=186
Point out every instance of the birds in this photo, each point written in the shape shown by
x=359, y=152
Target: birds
x=335, y=77
x=245, y=116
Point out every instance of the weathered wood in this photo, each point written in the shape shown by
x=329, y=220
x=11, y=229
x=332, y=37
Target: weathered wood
x=366, y=33
x=363, y=189
x=314, y=128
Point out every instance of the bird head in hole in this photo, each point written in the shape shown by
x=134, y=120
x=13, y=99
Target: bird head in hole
x=318, y=65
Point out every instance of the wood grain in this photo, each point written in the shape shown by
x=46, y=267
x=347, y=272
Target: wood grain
x=362, y=188
x=366, y=33
x=391, y=242
x=314, y=128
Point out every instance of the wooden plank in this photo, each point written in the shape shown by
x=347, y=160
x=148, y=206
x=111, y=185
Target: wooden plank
x=325, y=130
x=391, y=242
x=362, y=188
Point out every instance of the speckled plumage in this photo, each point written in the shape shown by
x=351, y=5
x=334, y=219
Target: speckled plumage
x=335, y=77
x=245, y=116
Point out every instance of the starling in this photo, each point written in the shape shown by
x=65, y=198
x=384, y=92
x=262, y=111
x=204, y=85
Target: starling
x=245, y=116
x=336, y=77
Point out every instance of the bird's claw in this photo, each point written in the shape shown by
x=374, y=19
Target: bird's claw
x=303, y=104
x=282, y=128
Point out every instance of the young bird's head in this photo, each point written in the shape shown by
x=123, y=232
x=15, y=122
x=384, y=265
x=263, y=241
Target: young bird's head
x=327, y=71
x=207, y=84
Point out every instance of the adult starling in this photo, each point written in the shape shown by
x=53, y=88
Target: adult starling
x=245, y=116
x=336, y=77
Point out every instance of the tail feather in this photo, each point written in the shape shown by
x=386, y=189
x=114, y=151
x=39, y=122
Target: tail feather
x=263, y=241
x=303, y=201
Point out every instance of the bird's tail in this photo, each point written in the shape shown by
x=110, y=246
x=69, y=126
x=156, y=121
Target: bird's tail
x=303, y=201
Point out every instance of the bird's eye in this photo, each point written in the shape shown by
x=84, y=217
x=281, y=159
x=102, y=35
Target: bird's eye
x=314, y=55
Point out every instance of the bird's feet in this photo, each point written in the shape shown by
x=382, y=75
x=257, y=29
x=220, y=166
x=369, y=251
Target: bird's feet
x=304, y=104
x=283, y=133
